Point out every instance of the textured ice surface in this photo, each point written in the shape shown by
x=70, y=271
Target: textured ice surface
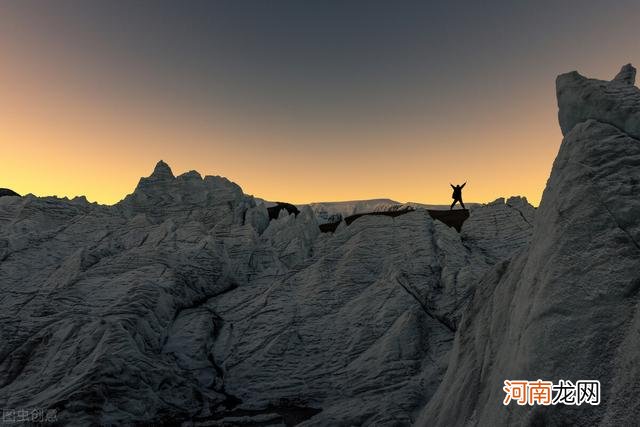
x=184, y=298
x=567, y=306
x=185, y=301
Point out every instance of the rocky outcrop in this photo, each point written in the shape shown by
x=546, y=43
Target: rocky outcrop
x=8, y=192
x=566, y=307
x=499, y=228
x=274, y=211
x=627, y=75
x=615, y=102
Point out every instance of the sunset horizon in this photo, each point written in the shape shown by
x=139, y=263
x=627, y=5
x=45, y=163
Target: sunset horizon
x=294, y=103
x=445, y=190
x=285, y=213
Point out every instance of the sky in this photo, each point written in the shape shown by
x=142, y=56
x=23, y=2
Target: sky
x=297, y=101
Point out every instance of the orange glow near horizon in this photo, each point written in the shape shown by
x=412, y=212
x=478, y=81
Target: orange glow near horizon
x=71, y=126
x=70, y=156
x=55, y=141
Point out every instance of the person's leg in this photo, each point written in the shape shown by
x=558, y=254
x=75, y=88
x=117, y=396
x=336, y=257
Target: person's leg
x=462, y=204
x=454, y=202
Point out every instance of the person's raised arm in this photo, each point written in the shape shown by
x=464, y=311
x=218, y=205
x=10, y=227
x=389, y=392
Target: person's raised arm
x=452, y=186
x=463, y=185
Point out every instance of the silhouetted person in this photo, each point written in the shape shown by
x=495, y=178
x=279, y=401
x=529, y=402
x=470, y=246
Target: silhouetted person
x=457, y=194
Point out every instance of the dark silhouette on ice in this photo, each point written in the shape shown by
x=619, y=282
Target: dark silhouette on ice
x=457, y=194
x=453, y=219
x=274, y=211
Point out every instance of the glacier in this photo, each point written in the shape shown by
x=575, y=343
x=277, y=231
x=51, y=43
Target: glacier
x=566, y=307
x=184, y=303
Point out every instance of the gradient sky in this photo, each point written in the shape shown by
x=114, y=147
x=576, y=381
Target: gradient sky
x=296, y=100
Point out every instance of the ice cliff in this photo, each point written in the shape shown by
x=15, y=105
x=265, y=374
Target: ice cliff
x=566, y=307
